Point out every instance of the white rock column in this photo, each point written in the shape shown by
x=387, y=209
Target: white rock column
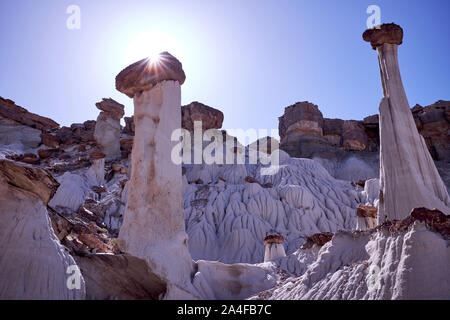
x=153, y=226
x=408, y=175
x=274, y=247
x=96, y=172
x=107, y=127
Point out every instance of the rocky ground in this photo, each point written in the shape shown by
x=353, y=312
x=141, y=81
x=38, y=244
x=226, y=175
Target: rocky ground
x=71, y=184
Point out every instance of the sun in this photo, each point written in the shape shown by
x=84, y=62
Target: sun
x=154, y=57
x=151, y=45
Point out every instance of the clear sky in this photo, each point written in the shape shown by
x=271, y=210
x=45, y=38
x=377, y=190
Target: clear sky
x=248, y=58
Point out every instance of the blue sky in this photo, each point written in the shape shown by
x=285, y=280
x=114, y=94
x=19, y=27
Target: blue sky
x=248, y=58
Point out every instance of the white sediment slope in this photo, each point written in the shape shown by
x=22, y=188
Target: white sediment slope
x=370, y=266
x=227, y=218
x=33, y=263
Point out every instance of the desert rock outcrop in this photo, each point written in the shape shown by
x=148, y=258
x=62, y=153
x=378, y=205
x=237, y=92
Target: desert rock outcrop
x=33, y=264
x=17, y=125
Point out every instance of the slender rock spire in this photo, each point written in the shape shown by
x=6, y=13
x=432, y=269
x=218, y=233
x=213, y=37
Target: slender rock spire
x=408, y=176
x=153, y=226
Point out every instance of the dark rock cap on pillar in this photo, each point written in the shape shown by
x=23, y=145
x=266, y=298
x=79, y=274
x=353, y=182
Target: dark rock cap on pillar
x=386, y=33
x=144, y=74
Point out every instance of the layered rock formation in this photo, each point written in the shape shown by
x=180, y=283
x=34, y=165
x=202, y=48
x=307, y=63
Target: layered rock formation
x=304, y=132
x=9, y=110
x=33, y=264
x=18, y=126
x=349, y=148
x=408, y=176
x=107, y=129
x=153, y=227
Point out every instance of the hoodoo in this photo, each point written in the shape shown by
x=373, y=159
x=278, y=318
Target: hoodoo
x=274, y=247
x=153, y=226
x=107, y=128
x=408, y=175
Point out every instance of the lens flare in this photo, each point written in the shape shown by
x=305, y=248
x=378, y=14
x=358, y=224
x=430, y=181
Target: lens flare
x=154, y=57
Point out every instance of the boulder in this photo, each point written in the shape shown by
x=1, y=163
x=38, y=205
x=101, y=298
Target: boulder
x=47, y=153
x=390, y=33
x=144, y=74
x=318, y=239
x=366, y=211
x=195, y=111
x=50, y=140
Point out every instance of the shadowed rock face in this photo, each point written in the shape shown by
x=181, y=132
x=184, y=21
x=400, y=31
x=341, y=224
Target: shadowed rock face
x=386, y=33
x=33, y=264
x=122, y=276
x=144, y=74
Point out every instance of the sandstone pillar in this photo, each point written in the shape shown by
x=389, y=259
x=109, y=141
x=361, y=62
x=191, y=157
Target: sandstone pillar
x=153, y=226
x=408, y=176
